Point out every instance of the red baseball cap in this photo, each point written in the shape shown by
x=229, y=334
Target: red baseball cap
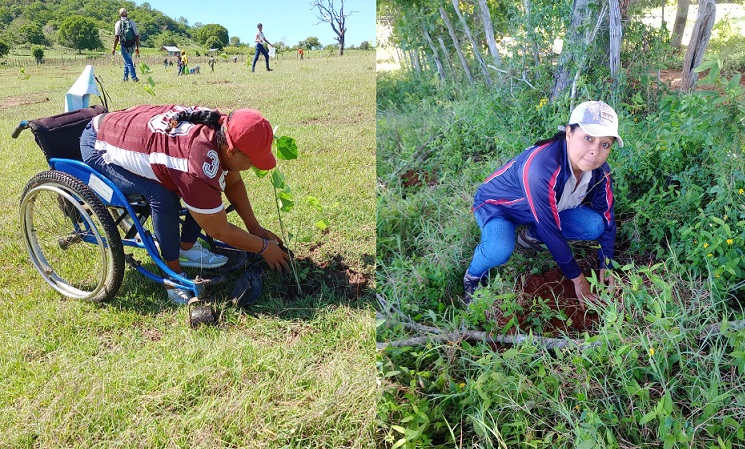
x=249, y=132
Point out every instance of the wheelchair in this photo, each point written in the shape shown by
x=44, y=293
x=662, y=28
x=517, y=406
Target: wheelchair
x=76, y=223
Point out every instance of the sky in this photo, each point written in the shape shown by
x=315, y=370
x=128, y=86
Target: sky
x=290, y=21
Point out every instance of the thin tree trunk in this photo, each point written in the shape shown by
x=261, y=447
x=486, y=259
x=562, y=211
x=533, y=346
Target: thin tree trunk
x=489, y=32
x=681, y=16
x=707, y=10
x=531, y=33
x=446, y=56
x=449, y=26
x=435, y=56
x=572, y=52
x=476, y=51
x=616, y=34
x=417, y=62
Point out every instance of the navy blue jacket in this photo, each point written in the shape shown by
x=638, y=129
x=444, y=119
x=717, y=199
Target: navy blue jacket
x=527, y=190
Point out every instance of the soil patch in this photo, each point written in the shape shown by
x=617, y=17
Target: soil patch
x=547, y=306
x=333, y=276
x=21, y=100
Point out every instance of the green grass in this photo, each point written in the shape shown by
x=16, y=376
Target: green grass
x=293, y=371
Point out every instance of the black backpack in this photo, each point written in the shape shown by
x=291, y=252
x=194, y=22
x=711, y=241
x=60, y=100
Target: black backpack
x=126, y=33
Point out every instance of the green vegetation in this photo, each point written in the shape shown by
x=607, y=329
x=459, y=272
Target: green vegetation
x=663, y=364
x=294, y=371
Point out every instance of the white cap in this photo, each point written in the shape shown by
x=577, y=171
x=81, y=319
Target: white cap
x=596, y=119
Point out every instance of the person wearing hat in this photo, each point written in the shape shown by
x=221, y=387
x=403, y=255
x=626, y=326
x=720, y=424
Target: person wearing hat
x=560, y=189
x=123, y=28
x=175, y=153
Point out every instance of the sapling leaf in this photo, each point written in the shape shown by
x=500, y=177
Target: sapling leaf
x=260, y=173
x=286, y=148
x=322, y=224
x=149, y=89
x=286, y=205
x=278, y=180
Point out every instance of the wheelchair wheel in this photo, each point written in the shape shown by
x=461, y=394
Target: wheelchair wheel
x=71, y=238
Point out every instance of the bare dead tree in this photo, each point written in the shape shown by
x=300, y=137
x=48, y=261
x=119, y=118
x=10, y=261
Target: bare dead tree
x=474, y=45
x=489, y=32
x=454, y=37
x=327, y=13
x=616, y=33
x=433, y=49
x=699, y=41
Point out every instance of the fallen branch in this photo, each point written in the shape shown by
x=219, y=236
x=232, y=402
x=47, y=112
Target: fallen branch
x=436, y=335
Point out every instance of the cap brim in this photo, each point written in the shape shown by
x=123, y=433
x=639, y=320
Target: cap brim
x=601, y=131
x=265, y=161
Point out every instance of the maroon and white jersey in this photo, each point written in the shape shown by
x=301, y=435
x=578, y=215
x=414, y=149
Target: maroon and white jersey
x=184, y=159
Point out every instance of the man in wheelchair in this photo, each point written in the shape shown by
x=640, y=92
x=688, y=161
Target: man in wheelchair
x=173, y=153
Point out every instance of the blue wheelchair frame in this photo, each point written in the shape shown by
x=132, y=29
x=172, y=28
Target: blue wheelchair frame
x=111, y=196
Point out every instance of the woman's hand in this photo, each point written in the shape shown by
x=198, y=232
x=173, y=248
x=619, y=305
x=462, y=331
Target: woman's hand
x=275, y=257
x=584, y=292
x=607, y=278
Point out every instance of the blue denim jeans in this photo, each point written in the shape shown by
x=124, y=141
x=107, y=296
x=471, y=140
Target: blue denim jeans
x=164, y=204
x=498, y=236
x=260, y=50
x=129, y=67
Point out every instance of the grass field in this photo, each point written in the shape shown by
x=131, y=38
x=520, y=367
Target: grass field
x=293, y=371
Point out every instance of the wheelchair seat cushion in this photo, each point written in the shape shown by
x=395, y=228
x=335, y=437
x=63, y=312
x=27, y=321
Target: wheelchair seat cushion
x=59, y=135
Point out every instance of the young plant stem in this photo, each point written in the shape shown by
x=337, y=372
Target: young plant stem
x=286, y=239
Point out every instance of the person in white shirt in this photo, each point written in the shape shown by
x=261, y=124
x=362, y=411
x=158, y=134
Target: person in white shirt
x=260, y=49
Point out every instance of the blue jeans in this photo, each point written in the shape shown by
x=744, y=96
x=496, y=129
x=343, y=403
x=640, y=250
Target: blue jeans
x=260, y=50
x=498, y=236
x=164, y=204
x=129, y=67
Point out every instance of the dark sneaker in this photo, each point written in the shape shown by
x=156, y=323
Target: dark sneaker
x=136, y=80
x=470, y=284
x=269, y=70
x=527, y=241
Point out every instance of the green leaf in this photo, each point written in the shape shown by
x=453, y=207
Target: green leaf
x=260, y=173
x=286, y=205
x=322, y=224
x=149, y=89
x=648, y=417
x=278, y=180
x=286, y=148
x=314, y=202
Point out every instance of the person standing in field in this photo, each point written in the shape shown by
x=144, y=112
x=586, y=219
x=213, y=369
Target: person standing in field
x=260, y=49
x=125, y=33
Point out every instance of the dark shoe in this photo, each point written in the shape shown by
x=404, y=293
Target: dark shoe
x=136, y=80
x=470, y=284
x=269, y=70
x=527, y=241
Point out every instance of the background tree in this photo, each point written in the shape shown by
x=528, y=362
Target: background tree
x=38, y=53
x=365, y=45
x=4, y=49
x=213, y=30
x=328, y=13
x=80, y=33
x=235, y=41
x=30, y=33
x=311, y=43
x=214, y=42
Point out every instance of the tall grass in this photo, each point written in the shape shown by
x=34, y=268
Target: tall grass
x=293, y=371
